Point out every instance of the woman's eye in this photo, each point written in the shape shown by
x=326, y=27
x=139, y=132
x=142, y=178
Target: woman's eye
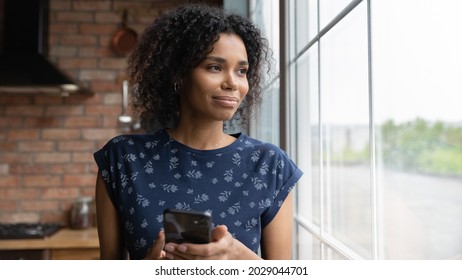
x=214, y=68
x=242, y=71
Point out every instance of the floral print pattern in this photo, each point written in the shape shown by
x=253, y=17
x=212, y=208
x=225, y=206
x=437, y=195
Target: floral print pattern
x=242, y=185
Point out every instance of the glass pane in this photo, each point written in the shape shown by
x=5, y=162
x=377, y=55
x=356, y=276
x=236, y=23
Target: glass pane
x=308, y=246
x=345, y=118
x=330, y=254
x=418, y=119
x=308, y=192
x=329, y=9
x=266, y=128
x=306, y=22
x=266, y=15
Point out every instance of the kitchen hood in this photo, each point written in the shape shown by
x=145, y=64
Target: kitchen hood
x=24, y=67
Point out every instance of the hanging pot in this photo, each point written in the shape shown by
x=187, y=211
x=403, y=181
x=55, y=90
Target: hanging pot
x=124, y=39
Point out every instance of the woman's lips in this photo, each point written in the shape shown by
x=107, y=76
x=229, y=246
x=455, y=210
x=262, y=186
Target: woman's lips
x=226, y=101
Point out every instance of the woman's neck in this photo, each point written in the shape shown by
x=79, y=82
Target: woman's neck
x=201, y=137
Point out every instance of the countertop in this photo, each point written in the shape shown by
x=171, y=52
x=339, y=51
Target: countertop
x=63, y=239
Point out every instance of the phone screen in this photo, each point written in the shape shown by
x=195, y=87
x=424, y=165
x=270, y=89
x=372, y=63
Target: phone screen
x=184, y=226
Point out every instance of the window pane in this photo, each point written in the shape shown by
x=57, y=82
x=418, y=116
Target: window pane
x=306, y=22
x=308, y=246
x=308, y=193
x=266, y=127
x=345, y=118
x=419, y=124
x=330, y=9
x=330, y=254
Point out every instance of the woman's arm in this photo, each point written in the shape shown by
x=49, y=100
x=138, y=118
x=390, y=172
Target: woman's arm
x=110, y=237
x=276, y=241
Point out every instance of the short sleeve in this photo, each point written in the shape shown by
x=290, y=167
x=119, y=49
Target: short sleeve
x=105, y=161
x=287, y=176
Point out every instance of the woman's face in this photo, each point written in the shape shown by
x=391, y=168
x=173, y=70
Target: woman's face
x=215, y=88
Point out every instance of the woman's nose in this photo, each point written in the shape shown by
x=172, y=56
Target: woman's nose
x=230, y=82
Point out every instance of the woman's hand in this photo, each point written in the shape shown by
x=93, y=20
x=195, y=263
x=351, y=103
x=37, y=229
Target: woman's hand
x=156, y=251
x=222, y=247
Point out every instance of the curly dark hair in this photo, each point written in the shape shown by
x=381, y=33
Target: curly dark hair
x=175, y=43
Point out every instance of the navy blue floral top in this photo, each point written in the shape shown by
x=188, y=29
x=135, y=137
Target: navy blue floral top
x=242, y=185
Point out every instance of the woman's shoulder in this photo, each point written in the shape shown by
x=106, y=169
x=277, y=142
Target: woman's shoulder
x=250, y=143
x=137, y=141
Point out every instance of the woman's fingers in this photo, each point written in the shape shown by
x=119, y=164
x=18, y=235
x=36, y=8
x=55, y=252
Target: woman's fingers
x=217, y=249
x=156, y=251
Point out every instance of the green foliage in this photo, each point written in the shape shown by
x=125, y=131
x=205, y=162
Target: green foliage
x=422, y=146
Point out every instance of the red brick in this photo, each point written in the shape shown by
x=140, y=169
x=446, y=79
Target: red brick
x=110, y=121
x=60, y=193
x=113, y=98
x=4, y=168
x=95, y=52
x=19, y=194
x=42, y=181
x=48, y=100
x=105, y=86
x=66, y=17
x=36, y=146
x=77, y=63
x=77, y=146
x=79, y=40
x=65, y=110
x=12, y=100
x=75, y=122
x=112, y=63
x=8, y=146
x=92, y=6
x=79, y=180
x=8, y=205
x=16, y=158
x=61, y=134
x=63, y=28
x=99, y=134
x=9, y=181
x=24, y=111
x=90, y=191
x=97, y=29
x=12, y=122
x=107, y=17
x=104, y=110
x=98, y=75
x=63, y=51
x=40, y=205
x=83, y=157
x=60, y=5
x=71, y=168
x=23, y=169
x=83, y=99
x=22, y=134
x=42, y=122
x=52, y=157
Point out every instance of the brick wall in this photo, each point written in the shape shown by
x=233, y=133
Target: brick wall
x=47, y=142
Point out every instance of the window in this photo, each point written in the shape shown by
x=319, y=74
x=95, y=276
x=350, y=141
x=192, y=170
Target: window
x=371, y=113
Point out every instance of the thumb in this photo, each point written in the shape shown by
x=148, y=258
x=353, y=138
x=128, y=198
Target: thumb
x=156, y=252
x=219, y=232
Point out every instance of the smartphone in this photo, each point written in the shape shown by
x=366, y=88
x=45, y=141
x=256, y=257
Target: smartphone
x=187, y=226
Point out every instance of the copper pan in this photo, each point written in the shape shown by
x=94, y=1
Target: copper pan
x=124, y=39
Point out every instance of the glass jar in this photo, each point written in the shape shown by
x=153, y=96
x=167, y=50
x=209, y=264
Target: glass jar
x=81, y=215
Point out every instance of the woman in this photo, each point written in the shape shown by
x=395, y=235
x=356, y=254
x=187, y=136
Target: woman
x=194, y=68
